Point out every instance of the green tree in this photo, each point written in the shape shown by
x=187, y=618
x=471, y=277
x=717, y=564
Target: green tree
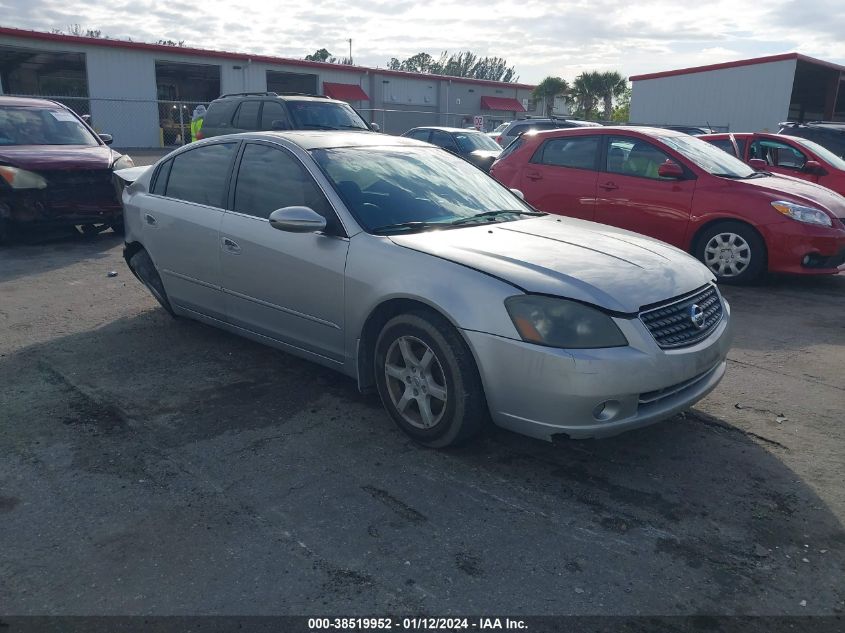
x=610, y=85
x=586, y=91
x=460, y=64
x=548, y=89
x=321, y=55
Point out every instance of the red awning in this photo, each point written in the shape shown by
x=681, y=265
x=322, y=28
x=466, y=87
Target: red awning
x=345, y=92
x=501, y=103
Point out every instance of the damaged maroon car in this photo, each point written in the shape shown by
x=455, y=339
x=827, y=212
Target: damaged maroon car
x=55, y=170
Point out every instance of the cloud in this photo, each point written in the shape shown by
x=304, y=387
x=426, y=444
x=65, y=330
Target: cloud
x=538, y=37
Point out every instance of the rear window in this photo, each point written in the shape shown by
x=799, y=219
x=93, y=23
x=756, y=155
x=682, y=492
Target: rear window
x=42, y=126
x=723, y=144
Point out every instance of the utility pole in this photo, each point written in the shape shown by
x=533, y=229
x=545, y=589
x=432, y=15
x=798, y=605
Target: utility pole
x=350, y=50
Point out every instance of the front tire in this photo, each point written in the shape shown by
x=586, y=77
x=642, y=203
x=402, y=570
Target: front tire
x=733, y=251
x=428, y=380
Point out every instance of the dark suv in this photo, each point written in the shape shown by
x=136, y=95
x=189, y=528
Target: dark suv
x=518, y=127
x=828, y=134
x=251, y=111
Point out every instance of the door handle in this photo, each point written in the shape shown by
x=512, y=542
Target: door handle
x=150, y=219
x=534, y=176
x=609, y=186
x=231, y=246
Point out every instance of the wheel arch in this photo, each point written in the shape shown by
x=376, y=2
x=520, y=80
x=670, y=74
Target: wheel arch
x=701, y=230
x=373, y=325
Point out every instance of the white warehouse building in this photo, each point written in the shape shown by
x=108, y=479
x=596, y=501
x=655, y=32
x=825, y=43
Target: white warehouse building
x=143, y=94
x=750, y=95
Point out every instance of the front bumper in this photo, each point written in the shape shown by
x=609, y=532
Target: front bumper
x=542, y=392
x=805, y=249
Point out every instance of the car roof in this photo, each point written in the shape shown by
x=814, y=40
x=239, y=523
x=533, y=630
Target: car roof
x=605, y=129
x=271, y=95
x=443, y=128
x=311, y=139
x=28, y=102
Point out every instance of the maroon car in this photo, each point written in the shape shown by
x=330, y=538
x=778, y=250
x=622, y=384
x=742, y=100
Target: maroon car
x=54, y=169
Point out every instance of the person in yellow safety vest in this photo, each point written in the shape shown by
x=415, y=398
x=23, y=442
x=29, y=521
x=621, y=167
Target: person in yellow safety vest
x=196, y=121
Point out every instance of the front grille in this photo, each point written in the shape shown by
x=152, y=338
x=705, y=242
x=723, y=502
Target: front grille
x=671, y=324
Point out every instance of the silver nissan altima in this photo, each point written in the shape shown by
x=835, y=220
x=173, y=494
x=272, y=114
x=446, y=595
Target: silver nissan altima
x=418, y=275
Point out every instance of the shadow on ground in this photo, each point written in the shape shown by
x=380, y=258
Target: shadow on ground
x=160, y=466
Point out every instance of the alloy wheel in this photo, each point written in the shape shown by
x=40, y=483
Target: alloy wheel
x=415, y=382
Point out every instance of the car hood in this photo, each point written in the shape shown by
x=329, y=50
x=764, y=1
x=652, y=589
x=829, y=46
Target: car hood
x=779, y=186
x=55, y=157
x=598, y=264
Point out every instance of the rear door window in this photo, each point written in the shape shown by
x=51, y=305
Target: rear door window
x=201, y=175
x=578, y=152
x=246, y=117
x=274, y=116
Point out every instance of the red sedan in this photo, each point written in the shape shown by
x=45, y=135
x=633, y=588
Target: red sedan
x=684, y=191
x=788, y=155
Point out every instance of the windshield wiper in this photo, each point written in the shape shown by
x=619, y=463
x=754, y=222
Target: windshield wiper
x=318, y=126
x=406, y=226
x=490, y=216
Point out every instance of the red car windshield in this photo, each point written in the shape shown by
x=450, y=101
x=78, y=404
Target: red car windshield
x=42, y=126
x=711, y=159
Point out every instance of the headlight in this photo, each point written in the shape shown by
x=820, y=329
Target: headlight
x=809, y=215
x=22, y=179
x=562, y=323
x=124, y=162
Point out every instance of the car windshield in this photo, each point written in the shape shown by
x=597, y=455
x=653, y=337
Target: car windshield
x=316, y=115
x=472, y=141
x=822, y=152
x=711, y=159
x=500, y=127
x=42, y=126
x=414, y=188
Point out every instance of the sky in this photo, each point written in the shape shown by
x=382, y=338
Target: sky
x=537, y=38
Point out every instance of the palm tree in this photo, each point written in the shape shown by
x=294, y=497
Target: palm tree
x=547, y=90
x=610, y=85
x=586, y=90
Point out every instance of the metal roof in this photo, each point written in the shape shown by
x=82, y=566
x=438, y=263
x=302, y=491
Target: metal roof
x=200, y=52
x=738, y=63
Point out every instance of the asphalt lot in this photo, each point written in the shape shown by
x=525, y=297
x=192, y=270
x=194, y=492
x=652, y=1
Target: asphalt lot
x=158, y=466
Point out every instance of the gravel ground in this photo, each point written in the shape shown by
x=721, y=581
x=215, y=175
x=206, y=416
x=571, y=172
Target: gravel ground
x=158, y=466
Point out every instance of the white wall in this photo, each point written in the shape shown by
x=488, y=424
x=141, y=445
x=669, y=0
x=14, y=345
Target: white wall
x=742, y=99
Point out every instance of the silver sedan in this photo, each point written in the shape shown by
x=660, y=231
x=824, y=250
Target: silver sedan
x=416, y=274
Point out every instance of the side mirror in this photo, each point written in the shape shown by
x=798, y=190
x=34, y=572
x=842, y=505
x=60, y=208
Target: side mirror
x=375, y=127
x=758, y=164
x=670, y=170
x=518, y=194
x=297, y=220
x=106, y=138
x=813, y=167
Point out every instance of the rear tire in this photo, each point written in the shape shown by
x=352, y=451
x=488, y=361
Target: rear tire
x=733, y=251
x=428, y=380
x=145, y=270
